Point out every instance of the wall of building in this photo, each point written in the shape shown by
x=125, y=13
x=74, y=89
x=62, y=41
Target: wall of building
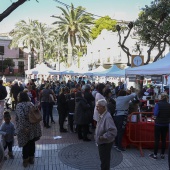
x=13, y=54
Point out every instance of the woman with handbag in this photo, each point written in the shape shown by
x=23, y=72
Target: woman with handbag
x=27, y=132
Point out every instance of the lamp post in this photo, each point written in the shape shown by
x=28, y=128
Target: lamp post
x=66, y=59
x=100, y=58
x=108, y=54
x=2, y=65
x=92, y=56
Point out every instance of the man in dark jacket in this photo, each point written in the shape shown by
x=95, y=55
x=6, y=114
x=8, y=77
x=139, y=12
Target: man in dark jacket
x=162, y=117
x=3, y=94
x=15, y=90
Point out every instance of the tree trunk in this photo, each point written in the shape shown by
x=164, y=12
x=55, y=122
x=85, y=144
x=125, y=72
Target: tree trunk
x=70, y=52
x=41, y=52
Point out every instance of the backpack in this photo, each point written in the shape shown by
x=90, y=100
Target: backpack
x=3, y=92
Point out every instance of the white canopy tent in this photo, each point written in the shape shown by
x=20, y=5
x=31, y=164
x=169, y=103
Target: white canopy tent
x=39, y=69
x=73, y=70
x=98, y=69
x=160, y=67
x=120, y=73
x=114, y=68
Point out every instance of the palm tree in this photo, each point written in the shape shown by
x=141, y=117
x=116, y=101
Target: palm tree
x=23, y=34
x=55, y=47
x=74, y=25
x=31, y=35
x=42, y=35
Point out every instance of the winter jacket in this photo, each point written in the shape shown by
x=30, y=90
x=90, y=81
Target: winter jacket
x=82, y=111
x=162, y=112
x=105, y=128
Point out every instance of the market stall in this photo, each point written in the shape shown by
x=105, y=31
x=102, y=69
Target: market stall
x=160, y=67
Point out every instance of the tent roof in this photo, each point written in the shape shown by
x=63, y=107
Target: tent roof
x=159, y=67
x=39, y=69
x=72, y=70
x=120, y=73
x=98, y=69
x=114, y=68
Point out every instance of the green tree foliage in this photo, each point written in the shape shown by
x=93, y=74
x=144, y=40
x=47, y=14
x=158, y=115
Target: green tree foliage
x=32, y=35
x=8, y=62
x=103, y=23
x=153, y=26
x=74, y=25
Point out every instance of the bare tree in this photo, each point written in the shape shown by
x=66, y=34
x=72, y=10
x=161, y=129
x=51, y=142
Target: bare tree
x=11, y=8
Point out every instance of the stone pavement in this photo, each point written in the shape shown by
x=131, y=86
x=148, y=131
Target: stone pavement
x=69, y=153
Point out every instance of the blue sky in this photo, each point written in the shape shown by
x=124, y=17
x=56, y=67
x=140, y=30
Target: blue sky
x=116, y=9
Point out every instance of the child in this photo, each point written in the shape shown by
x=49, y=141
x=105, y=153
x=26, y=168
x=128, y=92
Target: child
x=7, y=129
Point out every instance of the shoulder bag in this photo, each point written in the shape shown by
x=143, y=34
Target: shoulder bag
x=34, y=115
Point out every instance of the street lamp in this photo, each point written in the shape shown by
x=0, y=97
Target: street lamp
x=66, y=59
x=100, y=58
x=92, y=56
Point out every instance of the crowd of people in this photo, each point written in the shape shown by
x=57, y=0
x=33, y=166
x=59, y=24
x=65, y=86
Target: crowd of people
x=87, y=105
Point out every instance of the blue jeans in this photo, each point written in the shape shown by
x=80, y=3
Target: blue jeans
x=46, y=112
x=120, y=122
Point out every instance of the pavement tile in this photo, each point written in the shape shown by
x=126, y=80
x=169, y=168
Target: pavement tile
x=47, y=150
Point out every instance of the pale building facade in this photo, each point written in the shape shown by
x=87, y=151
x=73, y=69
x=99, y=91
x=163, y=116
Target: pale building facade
x=19, y=57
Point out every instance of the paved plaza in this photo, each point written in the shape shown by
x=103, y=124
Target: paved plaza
x=69, y=153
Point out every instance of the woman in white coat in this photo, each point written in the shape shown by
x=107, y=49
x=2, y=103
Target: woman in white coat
x=99, y=95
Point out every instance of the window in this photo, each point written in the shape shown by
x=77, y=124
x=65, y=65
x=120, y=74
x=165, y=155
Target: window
x=21, y=53
x=21, y=66
x=1, y=50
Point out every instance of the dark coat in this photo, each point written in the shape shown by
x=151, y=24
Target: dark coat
x=163, y=116
x=71, y=105
x=15, y=90
x=90, y=99
x=62, y=103
x=82, y=111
